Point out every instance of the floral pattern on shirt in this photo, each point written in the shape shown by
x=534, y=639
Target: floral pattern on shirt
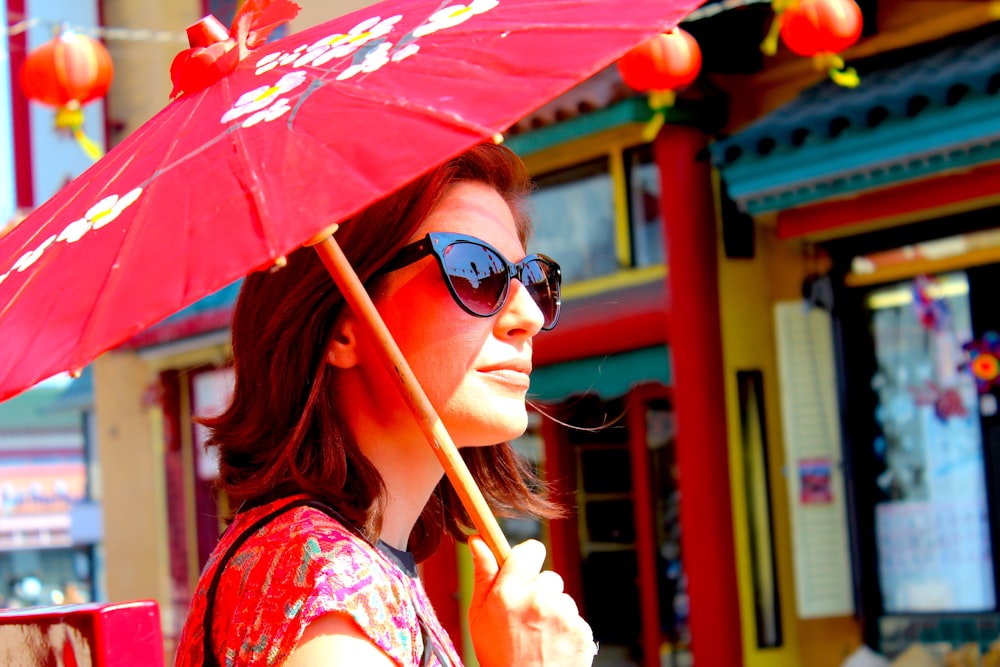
x=300, y=566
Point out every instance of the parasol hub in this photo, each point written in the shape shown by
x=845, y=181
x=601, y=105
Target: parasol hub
x=216, y=50
x=206, y=31
x=213, y=55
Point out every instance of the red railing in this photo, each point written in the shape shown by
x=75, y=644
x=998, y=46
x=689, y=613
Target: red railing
x=116, y=634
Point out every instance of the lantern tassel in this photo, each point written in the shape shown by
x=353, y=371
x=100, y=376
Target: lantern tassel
x=769, y=46
x=93, y=151
x=70, y=119
x=659, y=101
x=837, y=69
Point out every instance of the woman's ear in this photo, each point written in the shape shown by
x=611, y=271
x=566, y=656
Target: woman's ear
x=342, y=352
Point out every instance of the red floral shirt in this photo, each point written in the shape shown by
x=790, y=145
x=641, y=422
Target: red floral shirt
x=299, y=566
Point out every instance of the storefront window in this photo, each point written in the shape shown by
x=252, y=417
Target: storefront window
x=645, y=220
x=575, y=220
x=931, y=523
x=579, y=222
x=36, y=577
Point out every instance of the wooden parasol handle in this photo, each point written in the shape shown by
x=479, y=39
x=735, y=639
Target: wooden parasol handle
x=430, y=423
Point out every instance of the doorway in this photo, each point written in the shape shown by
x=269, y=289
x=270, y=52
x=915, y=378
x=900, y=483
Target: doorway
x=618, y=464
x=921, y=428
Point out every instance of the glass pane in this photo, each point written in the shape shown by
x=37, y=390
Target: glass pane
x=931, y=522
x=606, y=470
x=610, y=521
x=45, y=577
x=757, y=490
x=575, y=220
x=645, y=221
x=671, y=578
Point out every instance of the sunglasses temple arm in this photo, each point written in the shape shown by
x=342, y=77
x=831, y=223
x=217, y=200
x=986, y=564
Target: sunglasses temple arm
x=427, y=418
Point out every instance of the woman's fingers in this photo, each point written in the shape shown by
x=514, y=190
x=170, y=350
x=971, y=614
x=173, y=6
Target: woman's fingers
x=549, y=583
x=521, y=615
x=523, y=564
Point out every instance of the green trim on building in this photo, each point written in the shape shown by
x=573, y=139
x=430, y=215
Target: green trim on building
x=631, y=110
x=941, y=140
x=608, y=376
x=31, y=411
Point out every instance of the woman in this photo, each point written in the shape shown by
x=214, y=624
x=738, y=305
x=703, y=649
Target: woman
x=338, y=492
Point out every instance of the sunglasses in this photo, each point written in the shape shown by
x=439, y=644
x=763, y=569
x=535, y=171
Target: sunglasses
x=478, y=276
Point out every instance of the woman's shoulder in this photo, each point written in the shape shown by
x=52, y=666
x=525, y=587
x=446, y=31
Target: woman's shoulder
x=307, y=556
x=299, y=565
x=293, y=525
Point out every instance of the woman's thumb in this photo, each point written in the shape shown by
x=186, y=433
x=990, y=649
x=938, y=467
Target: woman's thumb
x=485, y=568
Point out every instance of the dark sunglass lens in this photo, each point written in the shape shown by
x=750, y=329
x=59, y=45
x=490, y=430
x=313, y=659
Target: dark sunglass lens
x=542, y=282
x=478, y=276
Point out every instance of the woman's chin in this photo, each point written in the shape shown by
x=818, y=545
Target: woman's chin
x=479, y=419
x=492, y=432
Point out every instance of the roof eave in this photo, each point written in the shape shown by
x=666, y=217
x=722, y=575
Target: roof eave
x=939, y=140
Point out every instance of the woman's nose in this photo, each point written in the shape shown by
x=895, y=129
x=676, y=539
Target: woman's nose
x=520, y=316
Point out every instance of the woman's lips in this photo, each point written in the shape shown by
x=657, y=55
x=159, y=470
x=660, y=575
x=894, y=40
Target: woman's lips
x=515, y=372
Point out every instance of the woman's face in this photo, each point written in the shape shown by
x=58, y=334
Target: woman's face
x=473, y=369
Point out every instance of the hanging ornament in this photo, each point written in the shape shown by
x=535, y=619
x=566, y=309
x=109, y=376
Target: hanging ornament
x=660, y=67
x=819, y=29
x=67, y=72
x=947, y=401
x=982, y=359
x=930, y=310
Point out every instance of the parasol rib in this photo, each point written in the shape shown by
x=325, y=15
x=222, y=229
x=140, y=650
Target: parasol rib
x=254, y=189
x=427, y=418
x=89, y=342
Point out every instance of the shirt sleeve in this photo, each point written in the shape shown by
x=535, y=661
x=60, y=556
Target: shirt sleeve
x=315, y=568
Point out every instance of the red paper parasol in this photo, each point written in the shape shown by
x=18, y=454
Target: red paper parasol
x=267, y=147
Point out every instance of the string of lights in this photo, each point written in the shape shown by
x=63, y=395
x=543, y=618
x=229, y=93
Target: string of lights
x=98, y=32
x=147, y=35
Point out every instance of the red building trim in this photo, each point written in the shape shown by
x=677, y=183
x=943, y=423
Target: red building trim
x=564, y=537
x=607, y=323
x=180, y=328
x=842, y=216
x=17, y=46
x=177, y=513
x=43, y=456
x=646, y=546
x=708, y=546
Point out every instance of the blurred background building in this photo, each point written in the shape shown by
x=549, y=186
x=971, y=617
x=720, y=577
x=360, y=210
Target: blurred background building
x=50, y=526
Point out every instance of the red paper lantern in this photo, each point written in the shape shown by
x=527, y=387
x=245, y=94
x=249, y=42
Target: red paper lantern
x=69, y=70
x=669, y=61
x=809, y=27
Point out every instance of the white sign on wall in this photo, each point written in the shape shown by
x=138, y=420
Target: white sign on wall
x=813, y=450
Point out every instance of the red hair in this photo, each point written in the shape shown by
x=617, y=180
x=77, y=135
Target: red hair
x=282, y=434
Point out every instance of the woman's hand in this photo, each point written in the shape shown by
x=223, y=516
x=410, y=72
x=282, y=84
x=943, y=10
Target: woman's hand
x=520, y=615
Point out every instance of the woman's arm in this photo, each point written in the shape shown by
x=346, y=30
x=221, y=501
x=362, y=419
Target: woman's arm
x=335, y=640
x=520, y=615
